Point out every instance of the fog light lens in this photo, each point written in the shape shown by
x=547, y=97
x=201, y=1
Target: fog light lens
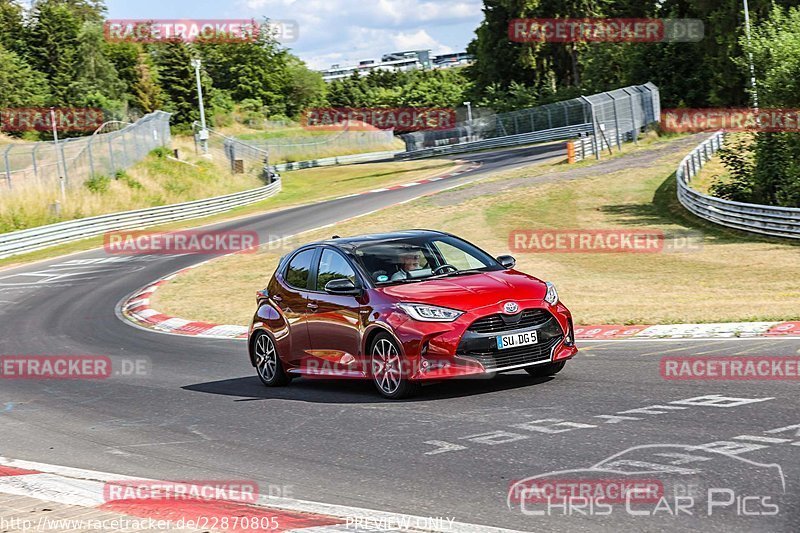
x=569, y=339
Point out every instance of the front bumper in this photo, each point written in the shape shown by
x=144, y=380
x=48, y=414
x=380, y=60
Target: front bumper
x=468, y=346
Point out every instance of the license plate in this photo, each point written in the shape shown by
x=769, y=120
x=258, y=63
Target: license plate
x=517, y=339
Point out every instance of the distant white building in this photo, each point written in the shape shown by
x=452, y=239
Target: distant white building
x=398, y=61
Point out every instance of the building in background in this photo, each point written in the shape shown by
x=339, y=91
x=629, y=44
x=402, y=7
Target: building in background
x=397, y=62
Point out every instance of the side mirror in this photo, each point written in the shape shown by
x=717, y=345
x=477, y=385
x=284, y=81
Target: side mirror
x=342, y=286
x=507, y=261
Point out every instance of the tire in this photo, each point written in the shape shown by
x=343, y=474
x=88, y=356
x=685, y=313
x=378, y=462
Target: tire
x=549, y=369
x=386, y=369
x=268, y=365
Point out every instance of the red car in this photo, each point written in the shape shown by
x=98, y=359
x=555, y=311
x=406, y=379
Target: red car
x=402, y=309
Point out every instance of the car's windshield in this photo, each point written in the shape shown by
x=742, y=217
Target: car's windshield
x=408, y=259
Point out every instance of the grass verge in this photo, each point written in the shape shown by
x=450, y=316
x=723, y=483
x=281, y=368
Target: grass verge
x=731, y=277
x=299, y=187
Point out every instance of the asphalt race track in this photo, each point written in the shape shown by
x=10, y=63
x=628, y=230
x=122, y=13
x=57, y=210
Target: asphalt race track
x=453, y=451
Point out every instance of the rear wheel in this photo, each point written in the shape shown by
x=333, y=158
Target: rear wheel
x=268, y=364
x=547, y=369
x=387, y=369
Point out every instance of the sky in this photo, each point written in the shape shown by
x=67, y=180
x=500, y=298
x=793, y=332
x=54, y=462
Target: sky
x=334, y=31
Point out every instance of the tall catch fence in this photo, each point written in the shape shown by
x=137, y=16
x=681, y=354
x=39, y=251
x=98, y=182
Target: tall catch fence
x=308, y=147
x=72, y=161
x=608, y=118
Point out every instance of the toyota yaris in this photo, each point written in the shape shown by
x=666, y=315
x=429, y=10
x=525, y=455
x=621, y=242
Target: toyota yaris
x=405, y=308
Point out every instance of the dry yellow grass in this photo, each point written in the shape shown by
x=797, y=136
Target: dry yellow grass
x=732, y=277
x=152, y=182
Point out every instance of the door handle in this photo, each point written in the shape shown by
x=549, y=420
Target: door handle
x=313, y=307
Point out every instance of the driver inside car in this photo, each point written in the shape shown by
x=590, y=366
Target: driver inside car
x=410, y=266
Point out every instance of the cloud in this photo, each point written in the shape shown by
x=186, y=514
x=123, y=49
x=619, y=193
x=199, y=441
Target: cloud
x=345, y=31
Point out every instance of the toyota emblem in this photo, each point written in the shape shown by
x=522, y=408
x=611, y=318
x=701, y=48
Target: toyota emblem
x=510, y=308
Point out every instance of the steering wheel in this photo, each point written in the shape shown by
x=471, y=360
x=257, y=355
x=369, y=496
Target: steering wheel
x=441, y=269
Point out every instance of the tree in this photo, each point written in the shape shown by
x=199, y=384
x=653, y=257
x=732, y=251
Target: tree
x=775, y=46
x=304, y=87
x=52, y=43
x=96, y=83
x=12, y=29
x=20, y=85
x=173, y=59
x=138, y=72
x=252, y=68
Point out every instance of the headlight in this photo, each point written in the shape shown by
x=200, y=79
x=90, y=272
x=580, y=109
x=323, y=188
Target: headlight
x=430, y=313
x=552, y=294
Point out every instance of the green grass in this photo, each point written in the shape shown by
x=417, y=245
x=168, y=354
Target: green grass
x=301, y=186
x=733, y=276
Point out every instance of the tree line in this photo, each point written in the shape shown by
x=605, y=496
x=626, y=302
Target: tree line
x=56, y=54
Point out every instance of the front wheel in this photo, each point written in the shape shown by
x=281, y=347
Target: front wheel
x=268, y=364
x=388, y=371
x=549, y=369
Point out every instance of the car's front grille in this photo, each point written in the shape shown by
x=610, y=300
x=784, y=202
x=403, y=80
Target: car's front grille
x=529, y=318
x=516, y=356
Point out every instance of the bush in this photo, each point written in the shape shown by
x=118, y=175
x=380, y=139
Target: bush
x=161, y=152
x=98, y=184
x=737, y=156
x=128, y=180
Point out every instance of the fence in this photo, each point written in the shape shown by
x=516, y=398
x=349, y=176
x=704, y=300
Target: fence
x=499, y=142
x=763, y=219
x=301, y=148
x=28, y=240
x=72, y=161
x=612, y=117
x=242, y=157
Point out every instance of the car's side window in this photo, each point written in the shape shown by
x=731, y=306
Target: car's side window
x=332, y=265
x=298, y=269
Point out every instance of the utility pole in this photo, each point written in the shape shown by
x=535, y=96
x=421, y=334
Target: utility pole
x=203, y=133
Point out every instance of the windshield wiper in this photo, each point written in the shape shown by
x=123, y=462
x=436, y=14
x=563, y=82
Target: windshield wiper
x=456, y=273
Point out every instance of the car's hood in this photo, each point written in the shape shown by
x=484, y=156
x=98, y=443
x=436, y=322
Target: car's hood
x=470, y=291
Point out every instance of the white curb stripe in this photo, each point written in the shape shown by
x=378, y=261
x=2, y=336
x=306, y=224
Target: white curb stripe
x=84, y=488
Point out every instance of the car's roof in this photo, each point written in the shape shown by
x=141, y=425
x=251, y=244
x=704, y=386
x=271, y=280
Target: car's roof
x=351, y=242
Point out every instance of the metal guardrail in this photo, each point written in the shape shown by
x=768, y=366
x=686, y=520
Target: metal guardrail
x=755, y=218
x=554, y=134
x=23, y=241
x=339, y=160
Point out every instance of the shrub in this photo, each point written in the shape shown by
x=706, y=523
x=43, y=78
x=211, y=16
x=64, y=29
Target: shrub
x=162, y=152
x=98, y=184
x=128, y=180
